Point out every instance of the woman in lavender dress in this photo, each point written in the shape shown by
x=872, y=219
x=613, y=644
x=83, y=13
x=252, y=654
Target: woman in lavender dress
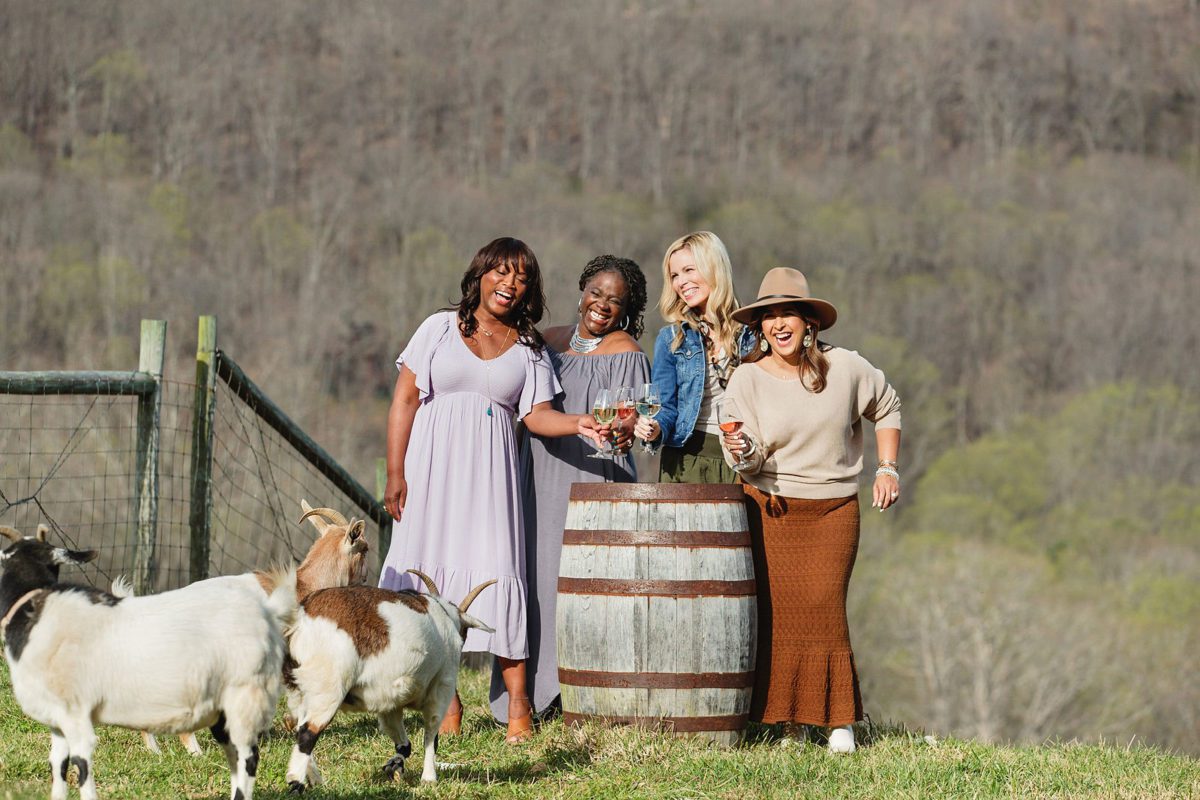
x=599, y=352
x=466, y=376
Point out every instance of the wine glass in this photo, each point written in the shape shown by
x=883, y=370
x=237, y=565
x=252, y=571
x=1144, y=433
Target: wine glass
x=729, y=420
x=604, y=411
x=648, y=405
x=625, y=408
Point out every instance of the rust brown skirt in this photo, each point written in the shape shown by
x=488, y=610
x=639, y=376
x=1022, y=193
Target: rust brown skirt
x=804, y=552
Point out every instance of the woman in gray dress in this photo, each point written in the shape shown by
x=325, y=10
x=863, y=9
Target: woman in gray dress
x=600, y=351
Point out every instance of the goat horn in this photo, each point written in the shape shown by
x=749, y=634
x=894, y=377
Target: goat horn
x=327, y=513
x=470, y=598
x=42, y=532
x=11, y=533
x=428, y=581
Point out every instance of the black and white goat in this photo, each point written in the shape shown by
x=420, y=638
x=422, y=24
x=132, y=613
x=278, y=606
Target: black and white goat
x=360, y=648
x=337, y=558
x=171, y=662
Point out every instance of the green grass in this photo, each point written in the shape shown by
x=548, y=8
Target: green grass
x=595, y=762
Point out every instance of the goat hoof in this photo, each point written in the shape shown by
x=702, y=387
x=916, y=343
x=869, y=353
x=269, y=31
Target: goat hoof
x=295, y=787
x=394, y=768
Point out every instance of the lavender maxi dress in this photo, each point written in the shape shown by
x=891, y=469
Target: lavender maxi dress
x=461, y=524
x=550, y=466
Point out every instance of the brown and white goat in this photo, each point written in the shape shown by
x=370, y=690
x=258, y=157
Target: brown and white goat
x=360, y=648
x=337, y=558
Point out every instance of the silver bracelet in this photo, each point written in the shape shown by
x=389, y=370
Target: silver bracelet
x=887, y=471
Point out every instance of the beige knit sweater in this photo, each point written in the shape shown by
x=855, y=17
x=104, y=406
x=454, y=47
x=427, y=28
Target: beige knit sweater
x=810, y=445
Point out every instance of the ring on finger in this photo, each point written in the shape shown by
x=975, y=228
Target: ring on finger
x=895, y=494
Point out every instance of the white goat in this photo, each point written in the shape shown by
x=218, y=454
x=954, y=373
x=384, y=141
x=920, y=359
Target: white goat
x=173, y=662
x=337, y=558
x=360, y=648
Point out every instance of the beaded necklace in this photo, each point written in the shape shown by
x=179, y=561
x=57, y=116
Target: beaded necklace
x=582, y=345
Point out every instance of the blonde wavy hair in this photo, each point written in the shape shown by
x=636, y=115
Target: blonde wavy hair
x=712, y=260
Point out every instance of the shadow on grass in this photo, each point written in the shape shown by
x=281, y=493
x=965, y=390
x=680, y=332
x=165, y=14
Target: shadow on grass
x=866, y=733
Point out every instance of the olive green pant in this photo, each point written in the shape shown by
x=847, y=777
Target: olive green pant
x=700, y=460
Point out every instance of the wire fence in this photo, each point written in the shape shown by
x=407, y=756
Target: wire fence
x=71, y=461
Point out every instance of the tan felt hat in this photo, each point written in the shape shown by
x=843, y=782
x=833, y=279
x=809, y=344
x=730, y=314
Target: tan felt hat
x=784, y=285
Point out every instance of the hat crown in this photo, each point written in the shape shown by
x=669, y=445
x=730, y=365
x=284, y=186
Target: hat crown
x=782, y=283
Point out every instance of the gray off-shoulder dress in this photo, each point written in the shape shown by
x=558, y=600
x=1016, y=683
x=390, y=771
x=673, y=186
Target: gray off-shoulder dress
x=548, y=468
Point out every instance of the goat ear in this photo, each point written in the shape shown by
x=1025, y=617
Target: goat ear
x=65, y=556
x=474, y=622
x=357, y=536
x=42, y=531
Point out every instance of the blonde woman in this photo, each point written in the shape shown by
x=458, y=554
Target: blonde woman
x=695, y=354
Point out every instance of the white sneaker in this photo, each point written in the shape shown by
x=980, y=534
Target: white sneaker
x=841, y=740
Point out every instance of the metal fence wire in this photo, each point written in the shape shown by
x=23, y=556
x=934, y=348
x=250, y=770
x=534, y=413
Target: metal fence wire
x=70, y=461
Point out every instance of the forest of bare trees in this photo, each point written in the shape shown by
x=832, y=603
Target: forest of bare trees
x=1001, y=197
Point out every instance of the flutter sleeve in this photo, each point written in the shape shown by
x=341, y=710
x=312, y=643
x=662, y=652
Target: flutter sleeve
x=541, y=382
x=418, y=354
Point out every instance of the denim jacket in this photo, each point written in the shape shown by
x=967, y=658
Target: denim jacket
x=679, y=377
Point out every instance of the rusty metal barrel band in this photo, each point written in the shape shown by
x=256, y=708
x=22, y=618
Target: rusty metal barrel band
x=656, y=588
x=656, y=680
x=605, y=536
x=659, y=492
x=732, y=722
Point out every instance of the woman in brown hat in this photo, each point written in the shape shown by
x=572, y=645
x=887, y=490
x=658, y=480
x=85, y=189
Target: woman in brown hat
x=801, y=403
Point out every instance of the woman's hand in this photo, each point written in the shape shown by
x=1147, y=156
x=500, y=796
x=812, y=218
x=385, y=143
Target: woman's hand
x=737, y=443
x=394, y=496
x=647, y=429
x=885, y=493
x=588, y=428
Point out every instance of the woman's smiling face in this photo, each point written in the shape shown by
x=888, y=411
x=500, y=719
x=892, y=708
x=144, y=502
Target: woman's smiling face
x=603, y=305
x=783, y=327
x=501, y=290
x=687, y=281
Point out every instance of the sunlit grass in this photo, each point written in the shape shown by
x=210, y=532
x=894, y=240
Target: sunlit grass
x=594, y=762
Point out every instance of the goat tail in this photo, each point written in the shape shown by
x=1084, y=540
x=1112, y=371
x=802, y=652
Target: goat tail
x=281, y=600
x=121, y=587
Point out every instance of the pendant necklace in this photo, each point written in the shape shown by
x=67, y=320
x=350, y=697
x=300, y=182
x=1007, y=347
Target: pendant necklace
x=487, y=364
x=581, y=345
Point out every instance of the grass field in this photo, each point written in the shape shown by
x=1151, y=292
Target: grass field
x=600, y=763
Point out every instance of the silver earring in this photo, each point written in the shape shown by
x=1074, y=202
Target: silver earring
x=807, y=341
x=579, y=306
x=763, y=346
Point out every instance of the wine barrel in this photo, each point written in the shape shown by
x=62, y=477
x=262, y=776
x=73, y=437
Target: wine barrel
x=657, y=616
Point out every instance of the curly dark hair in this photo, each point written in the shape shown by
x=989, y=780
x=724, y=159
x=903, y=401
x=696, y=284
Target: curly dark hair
x=527, y=313
x=631, y=273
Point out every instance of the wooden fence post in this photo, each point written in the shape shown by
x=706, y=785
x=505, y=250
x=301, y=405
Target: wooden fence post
x=385, y=528
x=202, y=435
x=150, y=362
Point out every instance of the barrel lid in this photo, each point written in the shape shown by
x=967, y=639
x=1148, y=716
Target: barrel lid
x=660, y=492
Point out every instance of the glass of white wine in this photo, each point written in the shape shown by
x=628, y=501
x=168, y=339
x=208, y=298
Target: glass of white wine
x=648, y=405
x=604, y=411
x=729, y=420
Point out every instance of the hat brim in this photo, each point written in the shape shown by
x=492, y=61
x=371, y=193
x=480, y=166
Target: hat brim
x=820, y=310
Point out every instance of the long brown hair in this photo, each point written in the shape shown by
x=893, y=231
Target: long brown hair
x=814, y=364
x=528, y=312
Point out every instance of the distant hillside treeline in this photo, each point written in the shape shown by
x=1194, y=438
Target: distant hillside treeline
x=1001, y=197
